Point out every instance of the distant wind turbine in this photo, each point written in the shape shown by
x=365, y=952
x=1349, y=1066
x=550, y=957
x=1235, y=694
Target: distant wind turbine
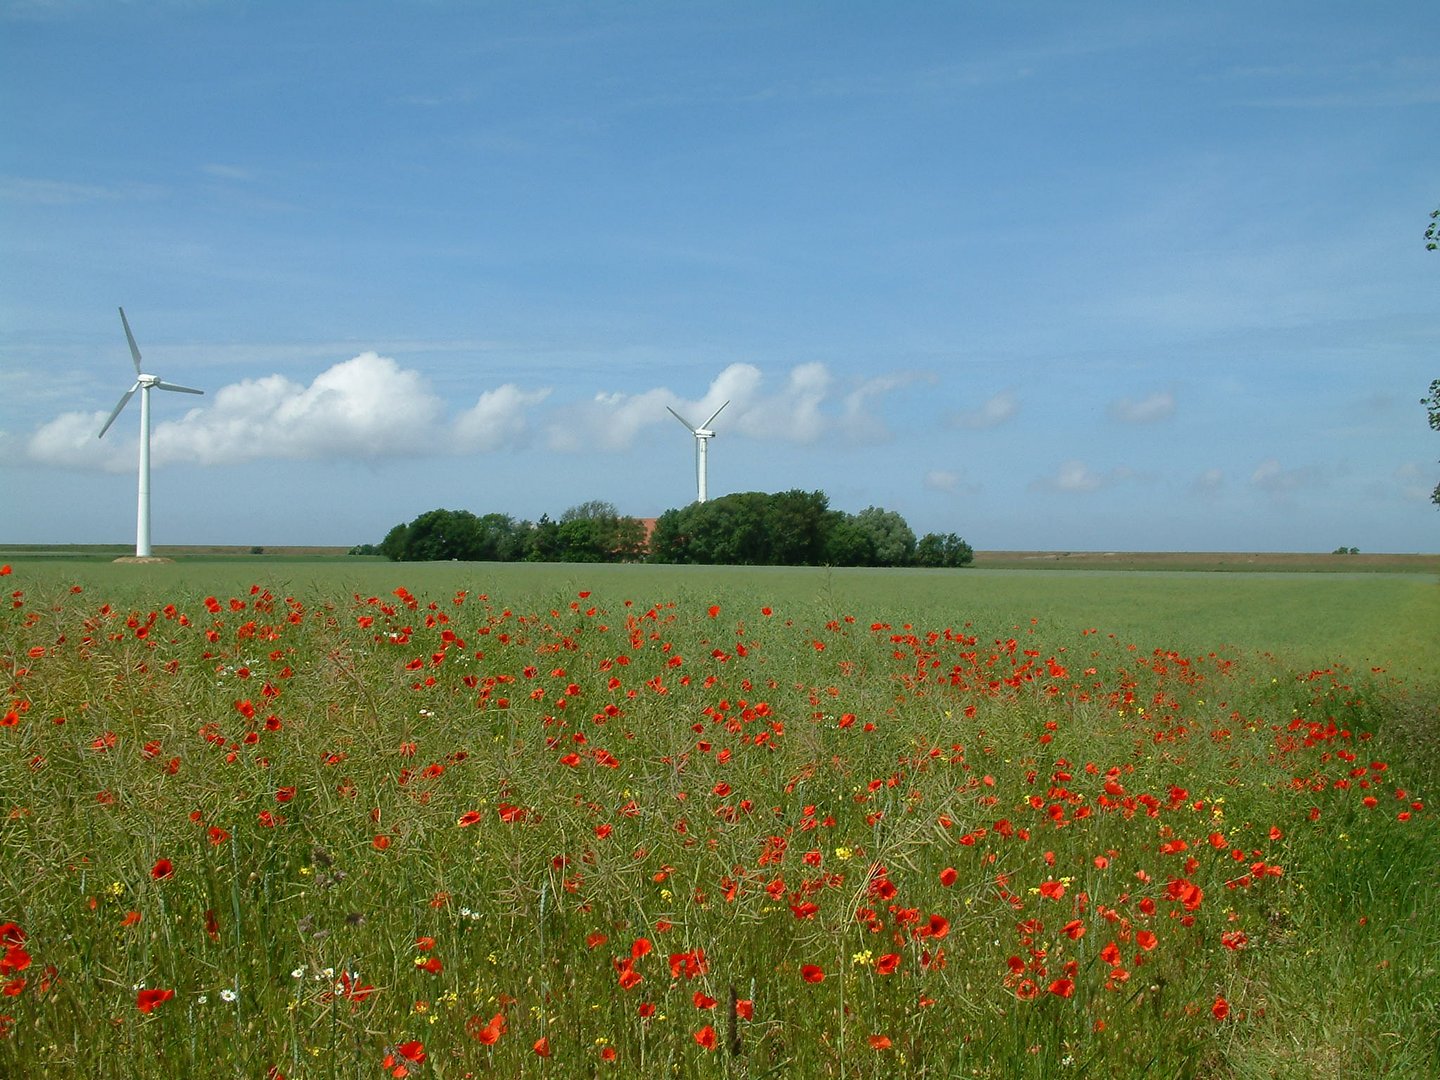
x=144, y=383
x=703, y=435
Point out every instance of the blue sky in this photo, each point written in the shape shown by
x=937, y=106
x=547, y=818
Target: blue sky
x=1120, y=276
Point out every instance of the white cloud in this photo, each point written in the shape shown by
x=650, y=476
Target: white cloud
x=366, y=408
x=794, y=414
x=1416, y=482
x=371, y=408
x=1209, y=482
x=1274, y=478
x=810, y=405
x=998, y=409
x=949, y=481
x=1146, y=410
x=497, y=419
x=1074, y=477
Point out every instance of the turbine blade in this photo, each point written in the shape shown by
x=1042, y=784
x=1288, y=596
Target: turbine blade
x=124, y=399
x=134, y=349
x=688, y=426
x=716, y=413
x=177, y=386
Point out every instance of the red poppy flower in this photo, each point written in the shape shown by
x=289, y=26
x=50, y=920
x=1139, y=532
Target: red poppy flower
x=414, y=1050
x=811, y=973
x=1063, y=988
x=880, y=1042
x=948, y=876
x=1074, y=929
x=888, y=964
x=146, y=1000
x=542, y=1046
x=162, y=869
x=1221, y=1009
x=14, y=959
x=703, y=1000
x=706, y=1037
x=487, y=1034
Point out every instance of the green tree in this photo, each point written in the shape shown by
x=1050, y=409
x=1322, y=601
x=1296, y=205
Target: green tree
x=796, y=527
x=595, y=531
x=890, y=535
x=542, y=543
x=1432, y=234
x=848, y=543
x=393, y=546
x=668, y=541
x=444, y=534
x=943, y=550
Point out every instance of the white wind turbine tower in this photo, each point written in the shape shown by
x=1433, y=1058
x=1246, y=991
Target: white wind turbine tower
x=703, y=435
x=144, y=383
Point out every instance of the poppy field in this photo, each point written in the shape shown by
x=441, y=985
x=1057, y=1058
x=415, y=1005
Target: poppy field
x=447, y=831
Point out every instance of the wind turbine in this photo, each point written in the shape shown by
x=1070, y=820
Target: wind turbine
x=703, y=435
x=144, y=383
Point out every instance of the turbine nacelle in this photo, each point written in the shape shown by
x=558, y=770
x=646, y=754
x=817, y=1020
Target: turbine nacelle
x=702, y=434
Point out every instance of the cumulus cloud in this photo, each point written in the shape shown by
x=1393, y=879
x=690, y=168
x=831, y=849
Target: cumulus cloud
x=497, y=419
x=366, y=408
x=809, y=405
x=372, y=408
x=1146, y=410
x=994, y=412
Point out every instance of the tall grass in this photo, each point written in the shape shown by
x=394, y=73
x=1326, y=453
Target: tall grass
x=711, y=833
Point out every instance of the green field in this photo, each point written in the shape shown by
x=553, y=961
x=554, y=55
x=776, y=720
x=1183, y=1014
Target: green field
x=322, y=817
x=1389, y=619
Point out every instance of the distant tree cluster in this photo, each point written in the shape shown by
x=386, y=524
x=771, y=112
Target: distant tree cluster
x=796, y=528
x=591, y=532
x=789, y=528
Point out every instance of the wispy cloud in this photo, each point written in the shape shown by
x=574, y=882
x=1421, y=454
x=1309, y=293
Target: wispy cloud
x=42, y=191
x=994, y=412
x=1146, y=410
x=1075, y=477
x=949, y=481
x=1270, y=476
x=1209, y=482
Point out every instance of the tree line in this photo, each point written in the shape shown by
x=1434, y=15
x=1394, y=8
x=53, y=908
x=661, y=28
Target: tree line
x=788, y=528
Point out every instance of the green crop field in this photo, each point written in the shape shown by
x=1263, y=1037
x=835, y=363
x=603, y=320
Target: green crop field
x=270, y=817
